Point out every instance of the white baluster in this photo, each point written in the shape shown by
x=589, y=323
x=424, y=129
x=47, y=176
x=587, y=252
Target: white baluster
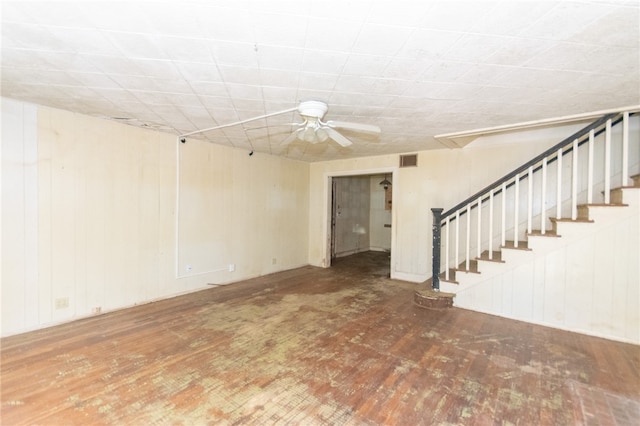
x=456, y=257
x=543, y=197
x=590, y=168
x=515, y=209
x=607, y=163
x=491, y=224
x=446, y=253
x=468, y=242
x=530, y=200
x=559, y=185
x=574, y=182
x=503, y=239
x=625, y=149
x=479, y=230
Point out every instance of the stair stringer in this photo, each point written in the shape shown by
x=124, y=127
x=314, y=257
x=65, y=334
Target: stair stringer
x=586, y=279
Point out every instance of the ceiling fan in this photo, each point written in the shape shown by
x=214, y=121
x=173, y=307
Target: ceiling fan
x=312, y=129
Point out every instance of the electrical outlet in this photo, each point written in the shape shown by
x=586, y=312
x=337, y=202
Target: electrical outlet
x=274, y=261
x=62, y=303
x=188, y=268
x=232, y=267
x=96, y=310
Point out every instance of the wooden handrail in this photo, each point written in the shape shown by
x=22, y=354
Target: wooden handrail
x=579, y=134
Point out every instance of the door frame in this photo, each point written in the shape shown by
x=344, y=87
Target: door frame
x=328, y=209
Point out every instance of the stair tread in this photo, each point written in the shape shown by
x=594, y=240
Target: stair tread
x=568, y=219
x=548, y=233
x=522, y=245
x=603, y=205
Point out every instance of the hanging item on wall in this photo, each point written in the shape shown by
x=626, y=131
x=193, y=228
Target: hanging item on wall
x=386, y=184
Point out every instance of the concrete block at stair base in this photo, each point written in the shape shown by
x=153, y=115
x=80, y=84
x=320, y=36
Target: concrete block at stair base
x=427, y=298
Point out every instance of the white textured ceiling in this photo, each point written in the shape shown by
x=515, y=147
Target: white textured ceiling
x=415, y=68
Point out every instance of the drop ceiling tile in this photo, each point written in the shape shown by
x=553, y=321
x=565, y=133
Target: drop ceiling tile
x=199, y=72
x=509, y=17
x=240, y=75
x=84, y=40
x=568, y=56
x=406, y=69
x=317, y=61
x=381, y=39
x=618, y=27
x=279, y=29
x=113, y=16
x=334, y=35
x=94, y=80
x=234, y=53
x=43, y=12
x=313, y=94
x=282, y=58
x=408, y=13
x=427, y=44
x=184, y=99
x=279, y=94
x=223, y=115
x=484, y=74
x=207, y=88
x=184, y=48
x=278, y=78
x=459, y=15
x=169, y=18
x=347, y=10
x=157, y=68
x=317, y=81
x=117, y=95
x=153, y=98
x=565, y=20
x=137, y=46
x=365, y=65
x=518, y=50
x=216, y=102
x=475, y=48
x=445, y=71
x=113, y=64
x=24, y=58
x=31, y=36
x=224, y=23
x=244, y=91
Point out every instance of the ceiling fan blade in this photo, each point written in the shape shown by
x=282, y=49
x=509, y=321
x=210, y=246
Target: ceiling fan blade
x=337, y=137
x=290, y=138
x=357, y=127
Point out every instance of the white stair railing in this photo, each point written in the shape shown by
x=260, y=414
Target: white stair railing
x=588, y=173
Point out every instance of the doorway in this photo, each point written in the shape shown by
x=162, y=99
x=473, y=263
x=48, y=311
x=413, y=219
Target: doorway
x=360, y=215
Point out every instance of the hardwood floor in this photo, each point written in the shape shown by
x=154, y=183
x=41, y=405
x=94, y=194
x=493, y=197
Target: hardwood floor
x=312, y=346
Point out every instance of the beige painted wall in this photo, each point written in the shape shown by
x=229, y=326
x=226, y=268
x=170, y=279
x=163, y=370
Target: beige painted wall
x=88, y=216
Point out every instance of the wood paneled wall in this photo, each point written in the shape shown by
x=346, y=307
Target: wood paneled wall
x=88, y=215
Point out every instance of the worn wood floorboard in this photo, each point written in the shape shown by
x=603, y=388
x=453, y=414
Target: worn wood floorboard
x=314, y=346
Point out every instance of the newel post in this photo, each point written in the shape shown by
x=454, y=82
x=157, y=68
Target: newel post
x=435, y=253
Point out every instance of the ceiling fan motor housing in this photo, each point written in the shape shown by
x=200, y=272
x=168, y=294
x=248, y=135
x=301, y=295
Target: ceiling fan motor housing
x=313, y=109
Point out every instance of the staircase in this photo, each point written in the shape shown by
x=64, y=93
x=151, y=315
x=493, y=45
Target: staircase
x=551, y=243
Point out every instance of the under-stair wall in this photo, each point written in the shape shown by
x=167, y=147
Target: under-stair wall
x=584, y=277
x=573, y=267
